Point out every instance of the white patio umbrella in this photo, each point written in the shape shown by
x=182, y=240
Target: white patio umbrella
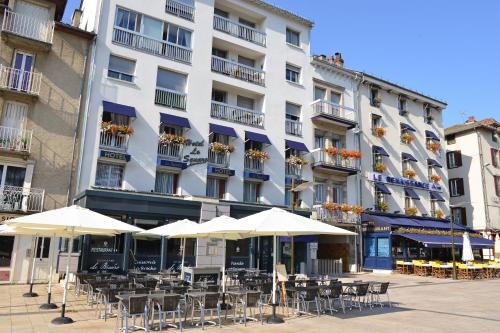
x=278, y=222
x=69, y=222
x=182, y=226
x=497, y=247
x=467, y=254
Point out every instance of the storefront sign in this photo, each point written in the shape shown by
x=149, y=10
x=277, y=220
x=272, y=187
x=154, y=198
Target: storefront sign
x=220, y=171
x=172, y=164
x=115, y=155
x=373, y=228
x=253, y=175
x=147, y=263
x=377, y=177
x=193, y=157
x=238, y=262
x=5, y=217
x=174, y=264
x=111, y=263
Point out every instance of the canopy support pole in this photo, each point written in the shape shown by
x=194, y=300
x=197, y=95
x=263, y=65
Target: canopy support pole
x=63, y=319
x=33, y=261
x=49, y=305
x=183, y=249
x=224, y=305
x=273, y=319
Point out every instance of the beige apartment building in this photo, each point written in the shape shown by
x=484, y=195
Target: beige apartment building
x=42, y=69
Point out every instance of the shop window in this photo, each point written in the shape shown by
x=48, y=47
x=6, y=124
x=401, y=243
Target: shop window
x=107, y=244
x=371, y=247
x=6, y=247
x=383, y=249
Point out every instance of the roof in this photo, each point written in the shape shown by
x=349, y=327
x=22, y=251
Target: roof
x=317, y=60
x=488, y=123
x=282, y=12
x=74, y=30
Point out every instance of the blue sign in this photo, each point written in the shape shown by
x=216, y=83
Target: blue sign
x=288, y=181
x=220, y=171
x=147, y=264
x=254, y=175
x=405, y=182
x=172, y=164
x=115, y=155
x=238, y=262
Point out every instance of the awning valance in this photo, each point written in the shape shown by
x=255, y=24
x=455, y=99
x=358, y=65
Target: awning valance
x=387, y=220
x=408, y=157
x=434, y=163
x=224, y=130
x=407, y=127
x=445, y=241
x=380, y=150
x=296, y=145
x=436, y=196
x=431, y=135
x=262, y=138
x=382, y=188
x=170, y=119
x=124, y=110
x=411, y=193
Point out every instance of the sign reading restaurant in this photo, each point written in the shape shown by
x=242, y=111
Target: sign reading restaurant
x=377, y=177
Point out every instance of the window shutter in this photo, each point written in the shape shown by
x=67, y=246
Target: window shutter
x=449, y=187
x=493, y=157
x=458, y=158
x=222, y=188
x=496, y=180
x=175, y=182
x=448, y=159
x=463, y=215
x=460, y=186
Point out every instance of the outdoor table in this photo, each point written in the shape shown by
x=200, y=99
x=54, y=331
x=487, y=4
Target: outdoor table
x=492, y=271
x=296, y=291
x=407, y=265
x=234, y=296
x=476, y=271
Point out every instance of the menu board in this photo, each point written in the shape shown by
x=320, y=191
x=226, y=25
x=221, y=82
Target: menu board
x=281, y=273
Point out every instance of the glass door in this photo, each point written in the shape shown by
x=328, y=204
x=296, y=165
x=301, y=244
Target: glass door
x=20, y=77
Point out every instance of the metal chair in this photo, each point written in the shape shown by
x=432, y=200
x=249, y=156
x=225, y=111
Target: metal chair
x=307, y=297
x=107, y=299
x=210, y=302
x=378, y=289
x=137, y=306
x=252, y=300
x=357, y=295
x=331, y=294
x=169, y=304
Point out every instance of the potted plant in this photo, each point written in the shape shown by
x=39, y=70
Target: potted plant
x=167, y=138
x=331, y=206
x=407, y=137
x=383, y=207
x=379, y=131
x=255, y=154
x=439, y=214
x=218, y=147
x=332, y=151
x=296, y=160
x=358, y=210
x=356, y=154
x=345, y=208
x=435, y=178
x=345, y=154
x=410, y=173
x=412, y=211
x=109, y=127
x=434, y=146
x=380, y=167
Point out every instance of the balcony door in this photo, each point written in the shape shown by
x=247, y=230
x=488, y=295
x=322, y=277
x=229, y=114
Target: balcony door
x=36, y=23
x=11, y=187
x=20, y=77
x=13, y=119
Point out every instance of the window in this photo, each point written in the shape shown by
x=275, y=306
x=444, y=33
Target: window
x=292, y=73
x=171, y=80
x=319, y=93
x=292, y=37
x=379, y=198
x=219, y=53
x=495, y=157
x=319, y=141
x=43, y=248
x=383, y=249
x=246, y=23
x=177, y=35
x=319, y=192
x=219, y=96
x=245, y=102
x=459, y=215
x=427, y=114
x=109, y=175
x=216, y=188
x=115, y=118
x=450, y=139
x=121, y=68
x=221, y=13
x=166, y=182
x=496, y=180
x=434, y=207
x=376, y=122
x=335, y=97
x=406, y=165
x=402, y=105
x=292, y=111
x=374, y=97
x=251, y=192
x=377, y=158
x=408, y=202
x=494, y=137
x=14, y=116
x=371, y=246
x=6, y=247
x=454, y=159
x=246, y=61
x=12, y=176
x=456, y=187
x=128, y=20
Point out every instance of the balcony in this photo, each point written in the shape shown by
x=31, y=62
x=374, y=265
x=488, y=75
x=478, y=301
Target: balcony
x=20, y=199
x=170, y=151
x=116, y=142
x=254, y=165
x=239, y=30
x=27, y=31
x=336, y=217
x=238, y=71
x=18, y=82
x=170, y=98
x=154, y=46
x=15, y=140
x=334, y=163
x=334, y=113
x=180, y=9
x=293, y=127
x=236, y=114
x=221, y=159
x=292, y=170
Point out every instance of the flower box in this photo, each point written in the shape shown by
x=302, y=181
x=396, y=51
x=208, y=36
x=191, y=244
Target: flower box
x=379, y=132
x=439, y=214
x=383, y=207
x=109, y=127
x=166, y=138
x=218, y=147
x=410, y=173
x=296, y=160
x=412, y=211
x=434, y=146
x=255, y=154
x=407, y=138
x=435, y=178
x=380, y=167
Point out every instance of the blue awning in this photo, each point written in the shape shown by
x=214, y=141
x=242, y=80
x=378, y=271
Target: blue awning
x=380, y=150
x=382, y=188
x=433, y=163
x=124, y=110
x=296, y=145
x=445, y=241
x=262, y=138
x=431, y=135
x=407, y=127
x=387, y=220
x=411, y=193
x=224, y=130
x=408, y=157
x=436, y=196
x=170, y=119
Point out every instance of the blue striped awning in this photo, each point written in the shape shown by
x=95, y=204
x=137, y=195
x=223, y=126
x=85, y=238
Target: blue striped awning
x=380, y=150
x=407, y=127
x=445, y=241
x=436, y=196
x=408, y=157
x=262, y=138
x=433, y=163
x=124, y=110
x=296, y=145
x=170, y=119
x=431, y=135
x=382, y=188
x=411, y=193
x=224, y=130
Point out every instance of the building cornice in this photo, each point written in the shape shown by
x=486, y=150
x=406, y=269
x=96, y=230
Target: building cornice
x=280, y=11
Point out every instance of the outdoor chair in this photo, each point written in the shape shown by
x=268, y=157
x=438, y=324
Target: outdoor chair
x=107, y=300
x=212, y=288
x=378, y=289
x=136, y=307
x=357, y=295
x=308, y=297
x=266, y=290
x=169, y=304
x=331, y=294
x=210, y=302
x=252, y=300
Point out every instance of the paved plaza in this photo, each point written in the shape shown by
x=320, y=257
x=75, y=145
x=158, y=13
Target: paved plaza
x=420, y=305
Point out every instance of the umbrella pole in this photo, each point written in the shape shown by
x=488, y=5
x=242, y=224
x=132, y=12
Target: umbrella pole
x=224, y=305
x=183, y=249
x=273, y=319
x=33, y=260
x=63, y=319
x=49, y=305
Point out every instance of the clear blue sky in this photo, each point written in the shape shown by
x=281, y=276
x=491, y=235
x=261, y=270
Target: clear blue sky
x=448, y=49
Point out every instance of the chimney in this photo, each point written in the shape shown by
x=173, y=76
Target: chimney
x=75, y=20
x=470, y=120
x=322, y=57
x=338, y=61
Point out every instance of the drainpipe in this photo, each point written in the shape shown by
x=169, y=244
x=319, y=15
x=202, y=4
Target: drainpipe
x=483, y=181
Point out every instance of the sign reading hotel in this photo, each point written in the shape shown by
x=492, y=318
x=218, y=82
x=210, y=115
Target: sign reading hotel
x=378, y=177
x=115, y=155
